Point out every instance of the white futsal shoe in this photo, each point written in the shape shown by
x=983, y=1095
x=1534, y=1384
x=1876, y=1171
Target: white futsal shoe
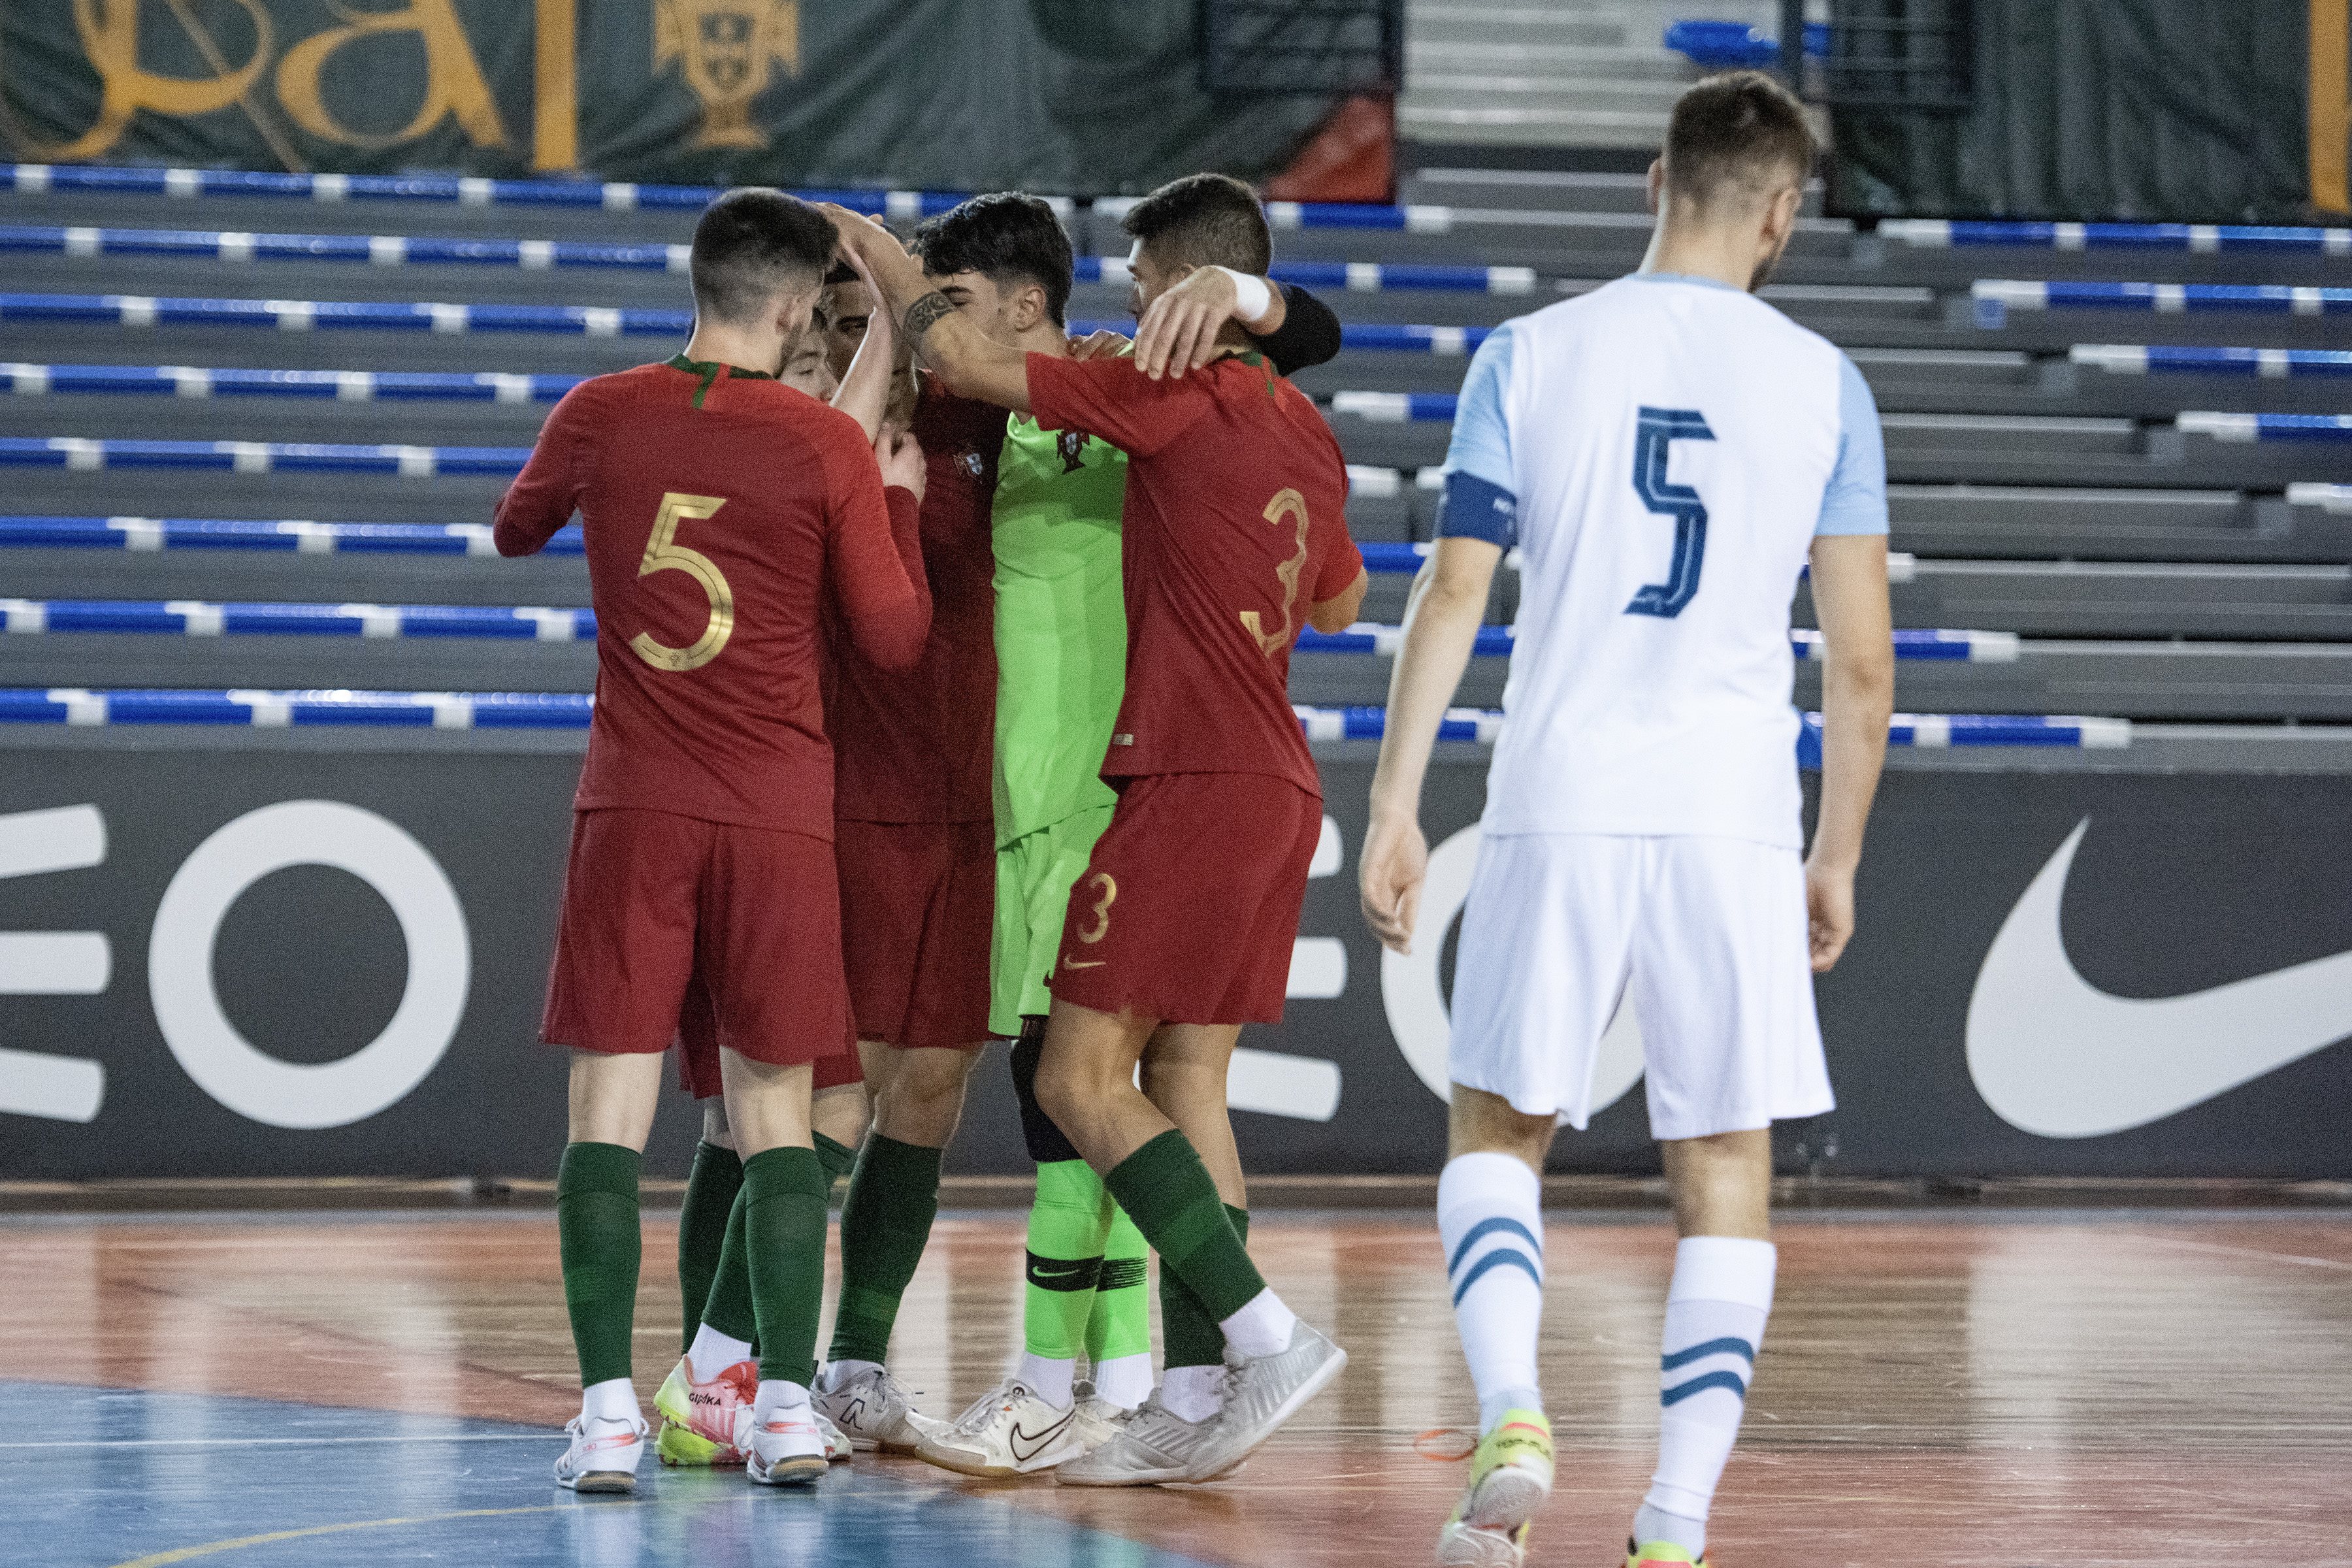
x=1153, y=1445
x=1011, y=1432
x=789, y=1449
x=603, y=1455
x=872, y=1411
x=1262, y=1393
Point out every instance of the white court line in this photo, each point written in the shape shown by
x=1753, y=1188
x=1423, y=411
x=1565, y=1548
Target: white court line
x=2264, y=1253
x=284, y=1442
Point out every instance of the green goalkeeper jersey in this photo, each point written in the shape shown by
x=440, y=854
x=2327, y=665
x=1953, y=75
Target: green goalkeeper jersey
x=1061, y=624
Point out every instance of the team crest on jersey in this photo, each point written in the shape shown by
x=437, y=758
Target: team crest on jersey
x=975, y=465
x=1070, y=444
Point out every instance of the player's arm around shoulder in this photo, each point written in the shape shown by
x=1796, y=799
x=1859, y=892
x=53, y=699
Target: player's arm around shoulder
x=544, y=495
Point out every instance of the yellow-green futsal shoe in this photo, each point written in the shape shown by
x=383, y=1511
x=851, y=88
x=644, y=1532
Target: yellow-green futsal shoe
x=1510, y=1475
x=1660, y=1554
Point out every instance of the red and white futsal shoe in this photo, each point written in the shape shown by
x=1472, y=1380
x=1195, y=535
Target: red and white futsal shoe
x=603, y=1455
x=699, y=1417
x=789, y=1447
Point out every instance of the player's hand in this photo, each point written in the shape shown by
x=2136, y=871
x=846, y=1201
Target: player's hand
x=1828, y=906
x=1103, y=344
x=858, y=233
x=1179, y=332
x=1394, y=864
x=899, y=459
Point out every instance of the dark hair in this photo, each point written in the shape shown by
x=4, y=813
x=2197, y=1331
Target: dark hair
x=1204, y=220
x=1006, y=237
x=751, y=242
x=1741, y=127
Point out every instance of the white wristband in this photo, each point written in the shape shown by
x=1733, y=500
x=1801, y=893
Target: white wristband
x=1252, y=298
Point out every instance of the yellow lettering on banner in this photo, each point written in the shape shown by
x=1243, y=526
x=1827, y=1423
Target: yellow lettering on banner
x=556, y=92
x=453, y=78
x=109, y=35
x=2331, y=105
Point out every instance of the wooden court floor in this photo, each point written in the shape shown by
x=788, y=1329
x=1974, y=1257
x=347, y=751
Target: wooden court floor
x=2009, y=1389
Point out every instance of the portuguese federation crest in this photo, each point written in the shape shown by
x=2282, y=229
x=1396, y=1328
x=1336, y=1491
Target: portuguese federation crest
x=723, y=50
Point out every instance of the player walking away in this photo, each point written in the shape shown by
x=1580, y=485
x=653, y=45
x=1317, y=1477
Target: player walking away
x=1004, y=261
x=1666, y=452
x=718, y=509
x=1234, y=538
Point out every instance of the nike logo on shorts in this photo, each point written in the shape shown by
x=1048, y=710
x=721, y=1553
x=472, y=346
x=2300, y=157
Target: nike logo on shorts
x=1089, y=964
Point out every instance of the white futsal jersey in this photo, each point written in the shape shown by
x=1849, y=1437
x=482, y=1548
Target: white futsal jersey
x=1663, y=452
x=1667, y=448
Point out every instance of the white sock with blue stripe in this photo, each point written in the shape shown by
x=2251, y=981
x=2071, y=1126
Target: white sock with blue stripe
x=1490, y=1218
x=1716, y=1307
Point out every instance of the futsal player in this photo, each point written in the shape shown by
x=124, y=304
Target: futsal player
x=1004, y=261
x=721, y=511
x=709, y=1393
x=1667, y=453
x=1233, y=540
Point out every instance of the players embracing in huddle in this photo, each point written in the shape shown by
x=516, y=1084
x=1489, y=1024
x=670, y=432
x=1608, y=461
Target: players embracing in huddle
x=803, y=827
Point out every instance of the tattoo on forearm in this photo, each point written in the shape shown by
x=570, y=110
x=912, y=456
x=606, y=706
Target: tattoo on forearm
x=925, y=313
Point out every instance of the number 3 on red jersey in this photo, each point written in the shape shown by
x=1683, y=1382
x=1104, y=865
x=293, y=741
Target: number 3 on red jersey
x=664, y=553
x=1285, y=504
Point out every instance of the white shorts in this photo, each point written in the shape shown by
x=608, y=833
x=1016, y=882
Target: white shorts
x=1707, y=937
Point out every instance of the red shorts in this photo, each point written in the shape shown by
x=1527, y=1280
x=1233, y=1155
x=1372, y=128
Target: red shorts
x=1189, y=908
x=697, y=1050
x=654, y=902
x=918, y=914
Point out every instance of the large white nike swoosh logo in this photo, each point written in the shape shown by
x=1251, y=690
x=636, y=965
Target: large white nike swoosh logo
x=2054, y=1054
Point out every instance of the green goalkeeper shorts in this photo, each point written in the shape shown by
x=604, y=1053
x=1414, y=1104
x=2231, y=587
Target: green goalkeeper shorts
x=1033, y=874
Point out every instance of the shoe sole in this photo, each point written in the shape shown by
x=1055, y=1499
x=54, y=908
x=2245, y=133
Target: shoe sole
x=607, y=1481
x=682, y=1448
x=1062, y=1477
x=800, y=1470
x=977, y=1469
x=1507, y=1498
x=1461, y=1546
x=1282, y=1415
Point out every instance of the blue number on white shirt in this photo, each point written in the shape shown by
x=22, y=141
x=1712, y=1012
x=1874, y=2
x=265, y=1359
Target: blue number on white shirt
x=1654, y=436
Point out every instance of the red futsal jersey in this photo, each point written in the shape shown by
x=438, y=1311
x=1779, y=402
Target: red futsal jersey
x=915, y=745
x=722, y=510
x=1235, y=528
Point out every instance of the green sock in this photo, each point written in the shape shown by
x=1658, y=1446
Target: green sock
x=1067, y=1226
x=1121, y=1324
x=728, y=1308
x=710, y=1187
x=598, y=1236
x=1167, y=1191
x=894, y=1194
x=837, y=1157
x=1190, y=1333
x=783, y=1231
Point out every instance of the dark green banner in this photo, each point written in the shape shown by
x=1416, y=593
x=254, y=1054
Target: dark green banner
x=2178, y=111
x=1067, y=96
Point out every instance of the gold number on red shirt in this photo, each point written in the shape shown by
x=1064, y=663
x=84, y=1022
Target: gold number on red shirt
x=1103, y=880
x=1285, y=504
x=664, y=553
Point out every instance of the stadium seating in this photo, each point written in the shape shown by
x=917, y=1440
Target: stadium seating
x=258, y=424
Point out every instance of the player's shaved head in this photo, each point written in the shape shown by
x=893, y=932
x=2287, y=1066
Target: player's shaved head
x=1204, y=220
x=752, y=244
x=1735, y=139
x=1006, y=237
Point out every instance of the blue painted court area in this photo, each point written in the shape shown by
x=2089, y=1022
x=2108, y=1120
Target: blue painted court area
x=97, y=1477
